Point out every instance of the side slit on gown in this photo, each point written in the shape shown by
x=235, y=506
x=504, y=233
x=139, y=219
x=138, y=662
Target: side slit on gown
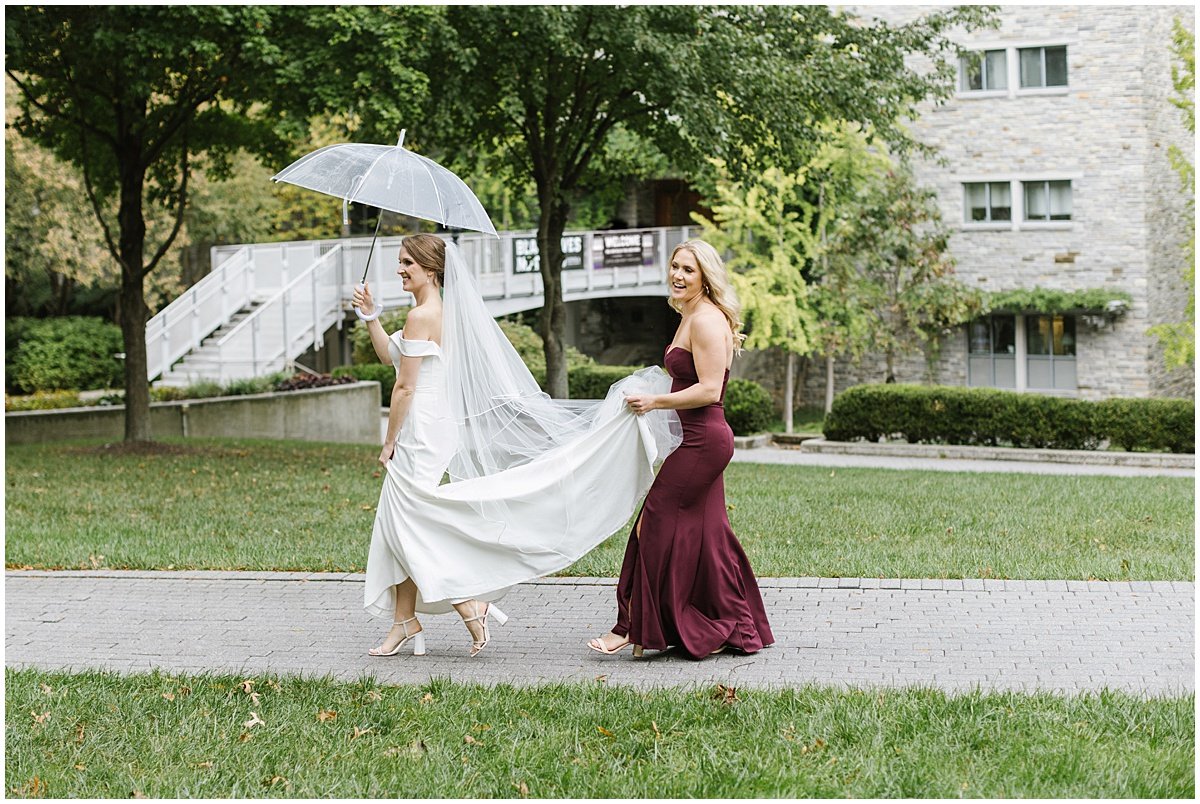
x=685, y=580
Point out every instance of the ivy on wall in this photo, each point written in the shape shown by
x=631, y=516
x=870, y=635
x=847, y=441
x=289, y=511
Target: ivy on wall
x=1050, y=302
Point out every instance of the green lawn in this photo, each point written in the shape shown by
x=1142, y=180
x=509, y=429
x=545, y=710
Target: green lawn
x=298, y=506
x=100, y=735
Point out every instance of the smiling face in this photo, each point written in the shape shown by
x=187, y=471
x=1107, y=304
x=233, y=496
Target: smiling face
x=413, y=275
x=684, y=276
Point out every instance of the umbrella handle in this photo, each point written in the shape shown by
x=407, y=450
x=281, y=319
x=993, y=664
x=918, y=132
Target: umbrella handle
x=368, y=316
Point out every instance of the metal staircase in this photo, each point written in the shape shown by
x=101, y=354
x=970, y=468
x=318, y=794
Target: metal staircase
x=264, y=305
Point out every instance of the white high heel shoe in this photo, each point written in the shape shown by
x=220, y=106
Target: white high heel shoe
x=418, y=640
x=488, y=609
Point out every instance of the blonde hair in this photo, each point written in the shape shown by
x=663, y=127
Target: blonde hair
x=717, y=286
x=429, y=252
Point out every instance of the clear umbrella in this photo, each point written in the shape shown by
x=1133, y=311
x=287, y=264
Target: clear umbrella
x=392, y=178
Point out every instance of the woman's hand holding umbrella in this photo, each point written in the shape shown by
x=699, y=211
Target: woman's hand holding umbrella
x=362, y=297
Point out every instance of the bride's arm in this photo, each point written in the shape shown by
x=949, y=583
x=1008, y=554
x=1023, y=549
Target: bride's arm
x=708, y=346
x=405, y=387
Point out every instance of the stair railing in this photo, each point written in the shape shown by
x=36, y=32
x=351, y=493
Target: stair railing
x=180, y=326
x=285, y=325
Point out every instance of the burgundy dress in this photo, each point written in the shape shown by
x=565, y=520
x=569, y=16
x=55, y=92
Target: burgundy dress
x=687, y=581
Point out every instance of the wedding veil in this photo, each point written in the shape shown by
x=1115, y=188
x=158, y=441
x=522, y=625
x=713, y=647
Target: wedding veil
x=503, y=418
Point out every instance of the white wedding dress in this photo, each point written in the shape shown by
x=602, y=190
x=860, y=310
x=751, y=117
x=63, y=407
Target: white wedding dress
x=477, y=537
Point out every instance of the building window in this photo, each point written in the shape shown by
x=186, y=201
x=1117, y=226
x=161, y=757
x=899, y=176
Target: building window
x=988, y=201
x=1043, y=66
x=992, y=347
x=1050, y=352
x=983, y=71
x=1047, y=200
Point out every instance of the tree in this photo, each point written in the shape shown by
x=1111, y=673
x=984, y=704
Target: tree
x=898, y=248
x=768, y=227
x=133, y=95
x=1179, y=339
x=747, y=84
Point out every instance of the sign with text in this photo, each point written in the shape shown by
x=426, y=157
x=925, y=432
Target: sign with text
x=628, y=249
x=525, y=254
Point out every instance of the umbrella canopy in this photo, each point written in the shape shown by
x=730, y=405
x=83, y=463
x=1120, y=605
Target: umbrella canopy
x=390, y=177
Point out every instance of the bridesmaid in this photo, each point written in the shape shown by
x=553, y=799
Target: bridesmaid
x=685, y=580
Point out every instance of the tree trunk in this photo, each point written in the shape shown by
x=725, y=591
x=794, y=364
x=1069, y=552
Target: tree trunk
x=789, y=393
x=552, y=220
x=891, y=366
x=829, y=382
x=131, y=244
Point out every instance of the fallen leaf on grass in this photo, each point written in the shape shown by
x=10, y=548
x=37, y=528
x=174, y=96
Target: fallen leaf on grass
x=374, y=695
x=726, y=695
x=46, y=690
x=469, y=740
x=244, y=737
x=246, y=686
x=427, y=698
x=605, y=731
x=416, y=748
x=354, y=735
x=254, y=720
x=254, y=696
x=202, y=764
x=325, y=715
x=657, y=733
x=274, y=685
x=81, y=767
x=39, y=719
x=79, y=733
x=34, y=788
x=522, y=789
x=279, y=780
x=602, y=678
x=139, y=794
x=168, y=696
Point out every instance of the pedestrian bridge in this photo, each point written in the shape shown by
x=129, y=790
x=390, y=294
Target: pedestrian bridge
x=265, y=304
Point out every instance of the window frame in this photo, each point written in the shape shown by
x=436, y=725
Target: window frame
x=984, y=73
x=1012, y=60
x=1049, y=219
x=1042, y=68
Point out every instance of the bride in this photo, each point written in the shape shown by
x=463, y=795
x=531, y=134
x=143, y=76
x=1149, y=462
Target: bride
x=535, y=484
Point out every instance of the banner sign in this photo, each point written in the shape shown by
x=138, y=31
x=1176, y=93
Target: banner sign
x=525, y=254
x=628, y=249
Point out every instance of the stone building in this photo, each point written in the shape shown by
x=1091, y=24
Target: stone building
x=1056, y=176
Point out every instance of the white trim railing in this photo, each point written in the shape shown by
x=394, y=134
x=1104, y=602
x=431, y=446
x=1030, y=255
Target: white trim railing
x=284, y=326
x=200, y=310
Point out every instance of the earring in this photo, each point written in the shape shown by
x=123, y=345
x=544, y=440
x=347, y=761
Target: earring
x=707, y=291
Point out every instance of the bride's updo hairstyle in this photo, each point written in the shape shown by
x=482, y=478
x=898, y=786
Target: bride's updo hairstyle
x=429, y=252
x=716, y=286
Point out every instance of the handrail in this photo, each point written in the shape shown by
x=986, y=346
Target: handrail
x=160, y=351
x=260, y=311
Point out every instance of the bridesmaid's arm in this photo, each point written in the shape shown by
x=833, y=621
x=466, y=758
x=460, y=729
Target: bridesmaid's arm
x=708, y=347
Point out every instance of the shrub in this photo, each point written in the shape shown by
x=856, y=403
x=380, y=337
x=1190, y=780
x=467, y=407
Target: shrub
x=43, y=400
x=992, y=417
x=1150, y=424
x=748, y=407
x=384, y=375
x=66, y=353
x=301, y=382
x=592, y=381
x=361, y=350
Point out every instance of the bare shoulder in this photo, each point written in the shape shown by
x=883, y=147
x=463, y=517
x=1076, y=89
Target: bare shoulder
x=709, y=324
x=423, y=323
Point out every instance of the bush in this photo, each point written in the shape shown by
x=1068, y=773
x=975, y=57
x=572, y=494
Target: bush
x=748, y=407
x=1149, y=424
x=384, y=375
x=592, y=381
x=361, y=350
x=67, y=353
x=43, y=400
x=992, y=417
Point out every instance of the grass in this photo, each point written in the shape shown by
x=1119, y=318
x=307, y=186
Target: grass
x=97, y=734
x=298, y=506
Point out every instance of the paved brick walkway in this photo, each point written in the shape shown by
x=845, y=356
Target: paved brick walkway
x=1024, y=635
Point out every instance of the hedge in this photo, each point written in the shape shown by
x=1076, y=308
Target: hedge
x=72, y=353
x=993, y=417
x=748, y=407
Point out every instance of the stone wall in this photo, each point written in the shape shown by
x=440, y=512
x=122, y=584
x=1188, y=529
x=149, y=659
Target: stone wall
x=1107, y=132
x=347, y=414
